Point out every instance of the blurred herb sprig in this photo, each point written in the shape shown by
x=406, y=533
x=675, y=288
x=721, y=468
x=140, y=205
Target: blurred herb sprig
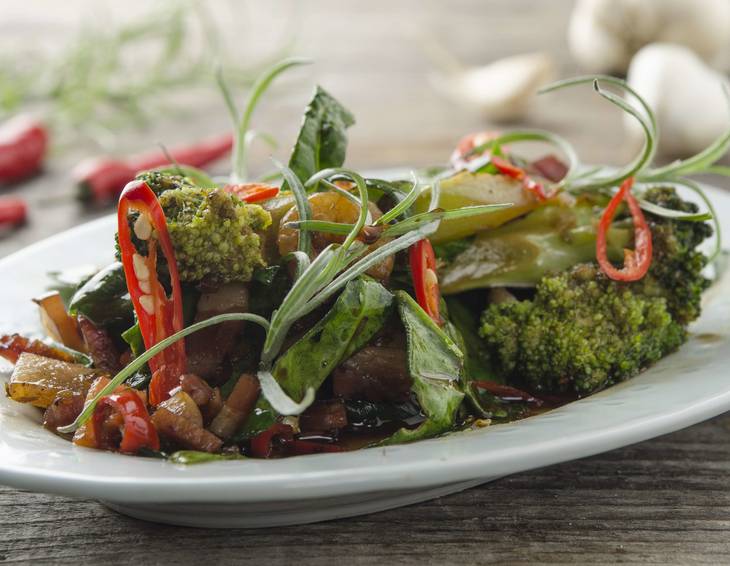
x=115, y=76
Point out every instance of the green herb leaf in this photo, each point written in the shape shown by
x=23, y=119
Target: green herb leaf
x=359, y=312
x=435, y=364
x=322, y=140
x=104, y=299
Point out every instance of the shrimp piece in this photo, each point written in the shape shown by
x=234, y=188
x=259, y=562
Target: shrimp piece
x=332, y=207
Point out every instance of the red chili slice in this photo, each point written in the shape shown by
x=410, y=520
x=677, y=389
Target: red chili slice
x=511, y=170
x=425, y=281
x=262, y=445
x=637, y=261
x=464, y=151
x=137, y=430
x=158, y=315
x=253, y=192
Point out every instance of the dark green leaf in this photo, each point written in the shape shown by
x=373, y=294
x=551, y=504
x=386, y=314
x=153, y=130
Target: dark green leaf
x=104, y=298
x=322, y=140
x=435, y=364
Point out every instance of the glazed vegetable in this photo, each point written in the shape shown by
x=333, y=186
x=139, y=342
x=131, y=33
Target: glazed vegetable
x=13, y=345
x=23, y=143
x=474, y=189
x=101, y=180
x=520, y=253
x=435, y=364
x=159, y=316
x=38, y=380
x=57, y=323
x=13, y=211
x=636, y=262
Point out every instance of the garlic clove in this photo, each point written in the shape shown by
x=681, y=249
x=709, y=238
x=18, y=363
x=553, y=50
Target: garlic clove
x=603, y=35
x=685, y=94
x=501, y=90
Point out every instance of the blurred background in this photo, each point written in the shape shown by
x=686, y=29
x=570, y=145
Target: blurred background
x=121, y=78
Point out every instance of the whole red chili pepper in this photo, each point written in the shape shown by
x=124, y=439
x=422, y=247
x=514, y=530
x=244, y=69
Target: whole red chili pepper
x=637, y=261
x=425, y=281
x=137, y=430
x=158, y=315
x=252, y=192
x=23, y=143
x=101, y=179
x=13, y=211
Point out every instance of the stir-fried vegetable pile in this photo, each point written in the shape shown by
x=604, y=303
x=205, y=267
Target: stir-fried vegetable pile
x=264, y=320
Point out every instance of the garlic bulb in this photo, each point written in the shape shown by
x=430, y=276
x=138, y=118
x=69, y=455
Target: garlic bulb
x=501, y=90
x=604, y=34
x=685, y=94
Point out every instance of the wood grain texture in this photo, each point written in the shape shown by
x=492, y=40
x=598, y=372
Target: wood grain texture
x=660, y=502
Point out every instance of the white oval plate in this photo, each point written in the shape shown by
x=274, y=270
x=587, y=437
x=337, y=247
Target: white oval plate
x=684, y=388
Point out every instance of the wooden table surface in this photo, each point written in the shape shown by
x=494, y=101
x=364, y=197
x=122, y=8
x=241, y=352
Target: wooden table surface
x=662, y=501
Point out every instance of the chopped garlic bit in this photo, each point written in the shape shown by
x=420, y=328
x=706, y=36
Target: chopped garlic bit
x=140, y=267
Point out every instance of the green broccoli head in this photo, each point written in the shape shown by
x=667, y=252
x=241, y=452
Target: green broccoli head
x=160, y=182
x=583, y=331
x=215, y=235
x=676, y=270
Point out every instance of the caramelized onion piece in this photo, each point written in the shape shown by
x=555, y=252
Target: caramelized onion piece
x=237, y=407
x=180, y=431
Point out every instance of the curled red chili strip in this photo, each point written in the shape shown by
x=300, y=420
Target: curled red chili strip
x=464, y=151
x=158, y=315
x=137, y=429
x=636, y=261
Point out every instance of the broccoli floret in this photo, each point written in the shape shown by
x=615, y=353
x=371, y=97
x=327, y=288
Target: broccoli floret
x=160, y=182
x=676, y=271
x=215, y=235
x=583, y=331
x=580, y=331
